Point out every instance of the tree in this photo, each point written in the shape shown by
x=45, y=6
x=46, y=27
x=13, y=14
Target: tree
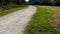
x=57, y=2
x=10, y=3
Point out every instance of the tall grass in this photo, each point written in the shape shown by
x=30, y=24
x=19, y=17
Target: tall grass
x=5, y=12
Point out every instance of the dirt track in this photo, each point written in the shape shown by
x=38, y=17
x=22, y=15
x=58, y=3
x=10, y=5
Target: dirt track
x=16, y=22
x=52, y=7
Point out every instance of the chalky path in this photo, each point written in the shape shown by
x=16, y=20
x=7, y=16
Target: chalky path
x=16, y=22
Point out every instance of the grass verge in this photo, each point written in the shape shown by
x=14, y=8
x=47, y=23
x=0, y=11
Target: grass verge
x=41, y=22
x=2, y=13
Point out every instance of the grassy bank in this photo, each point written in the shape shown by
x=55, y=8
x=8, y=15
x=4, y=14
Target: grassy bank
x=2, y=13
x=41, y=22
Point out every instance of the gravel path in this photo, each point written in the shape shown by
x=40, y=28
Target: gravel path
x=16, y=22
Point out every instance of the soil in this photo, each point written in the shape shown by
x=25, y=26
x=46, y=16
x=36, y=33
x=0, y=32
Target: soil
x=56, y=22
x=52, y=7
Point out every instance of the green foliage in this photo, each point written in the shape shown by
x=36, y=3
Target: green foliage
x=45, y=2
x=6, y=4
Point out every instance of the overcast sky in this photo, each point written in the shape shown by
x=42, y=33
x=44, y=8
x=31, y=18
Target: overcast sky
x=27, y=0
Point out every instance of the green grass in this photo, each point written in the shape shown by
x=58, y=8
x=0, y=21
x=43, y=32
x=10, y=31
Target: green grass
x=2, y=13
x=41, y=22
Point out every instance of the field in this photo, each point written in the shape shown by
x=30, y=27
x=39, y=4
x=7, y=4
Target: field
x=45, y=21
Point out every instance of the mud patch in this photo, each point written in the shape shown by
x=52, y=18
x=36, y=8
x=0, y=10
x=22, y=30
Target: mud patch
x=56, y=21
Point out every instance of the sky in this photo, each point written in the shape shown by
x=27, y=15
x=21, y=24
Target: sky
x=26, y=0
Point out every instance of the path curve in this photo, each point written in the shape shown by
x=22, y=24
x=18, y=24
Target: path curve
x=15, y=23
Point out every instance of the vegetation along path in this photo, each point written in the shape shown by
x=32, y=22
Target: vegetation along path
x=16, y=22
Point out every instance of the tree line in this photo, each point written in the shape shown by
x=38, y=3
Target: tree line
x=45, y=2
x=17, y=2
x=6, y=4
